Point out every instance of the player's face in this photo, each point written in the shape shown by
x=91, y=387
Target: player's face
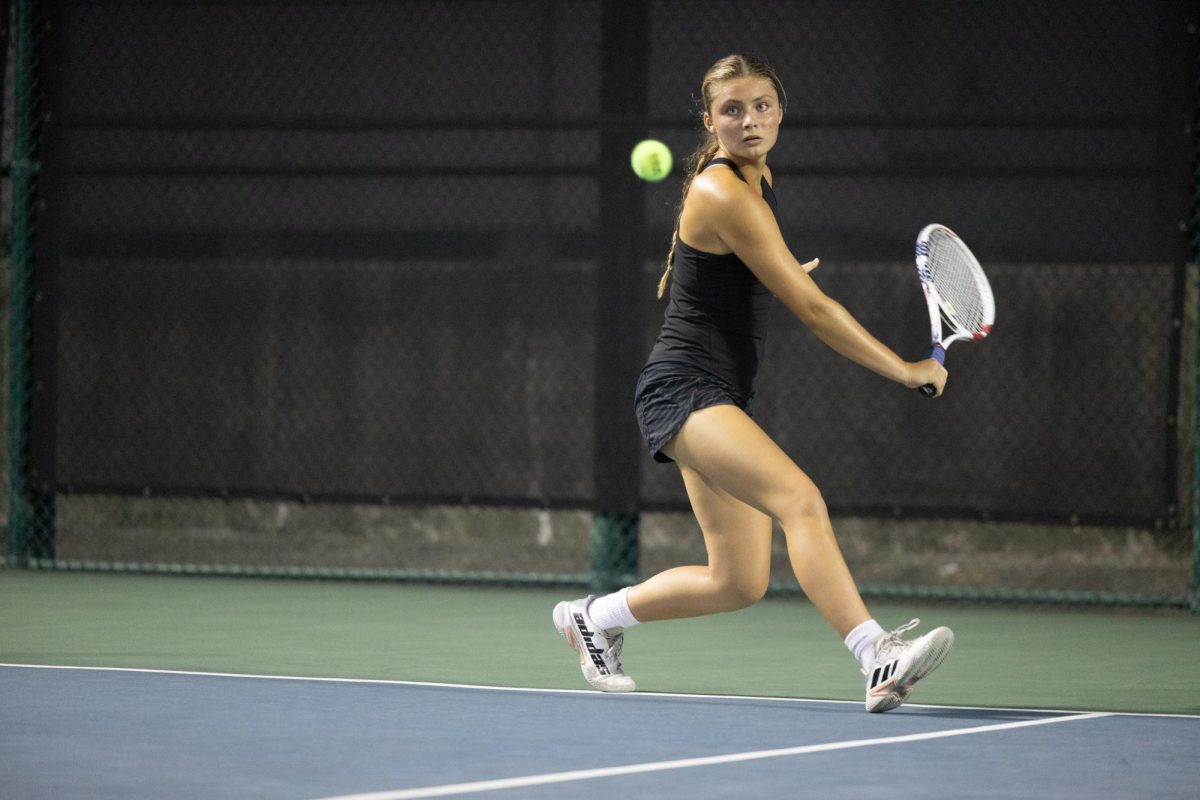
x=745, y=115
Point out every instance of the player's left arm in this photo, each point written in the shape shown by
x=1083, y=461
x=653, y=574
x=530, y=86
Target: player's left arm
x=750, y=230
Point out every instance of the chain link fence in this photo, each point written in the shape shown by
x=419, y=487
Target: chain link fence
x=362, y=289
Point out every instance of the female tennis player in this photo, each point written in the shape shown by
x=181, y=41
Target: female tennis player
x=693, y=404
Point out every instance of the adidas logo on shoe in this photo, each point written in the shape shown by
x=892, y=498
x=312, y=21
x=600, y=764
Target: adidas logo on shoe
x=899, y=664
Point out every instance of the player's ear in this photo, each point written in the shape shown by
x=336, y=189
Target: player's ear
x=708, y=123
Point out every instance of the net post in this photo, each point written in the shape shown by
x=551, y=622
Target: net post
x=31, y=512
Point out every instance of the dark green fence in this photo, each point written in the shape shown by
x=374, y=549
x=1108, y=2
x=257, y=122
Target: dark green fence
x=362, y=289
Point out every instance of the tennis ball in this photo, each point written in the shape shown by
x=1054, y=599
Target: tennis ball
x=651, y=160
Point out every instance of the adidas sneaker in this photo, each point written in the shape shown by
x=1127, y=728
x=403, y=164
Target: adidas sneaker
x=899, y=663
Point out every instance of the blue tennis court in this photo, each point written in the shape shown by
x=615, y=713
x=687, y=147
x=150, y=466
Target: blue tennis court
x=115, y=733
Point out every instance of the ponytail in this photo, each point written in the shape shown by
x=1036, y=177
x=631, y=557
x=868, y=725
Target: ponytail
x=696, y=162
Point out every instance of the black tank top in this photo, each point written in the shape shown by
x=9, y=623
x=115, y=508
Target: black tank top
x=717, y=312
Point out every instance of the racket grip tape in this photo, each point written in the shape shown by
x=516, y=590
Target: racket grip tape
x=939, y=355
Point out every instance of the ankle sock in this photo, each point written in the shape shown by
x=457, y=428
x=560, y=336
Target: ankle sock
x=612, y=611
x=861, y=642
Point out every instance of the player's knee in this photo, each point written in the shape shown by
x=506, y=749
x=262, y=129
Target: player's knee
x=801, y=500
x=743, y=591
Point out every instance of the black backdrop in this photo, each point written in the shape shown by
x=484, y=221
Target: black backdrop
x=394, y=251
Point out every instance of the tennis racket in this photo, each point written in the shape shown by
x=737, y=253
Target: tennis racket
x=956, y=290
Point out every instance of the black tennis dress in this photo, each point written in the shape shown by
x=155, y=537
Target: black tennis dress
x=711, y=341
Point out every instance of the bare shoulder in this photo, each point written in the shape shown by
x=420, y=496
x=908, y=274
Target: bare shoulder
x=719, y=186
x=715, y=194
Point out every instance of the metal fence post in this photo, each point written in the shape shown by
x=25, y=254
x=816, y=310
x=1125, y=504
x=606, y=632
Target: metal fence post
x=617, y=456
x=1194, y=241
x=30, y=513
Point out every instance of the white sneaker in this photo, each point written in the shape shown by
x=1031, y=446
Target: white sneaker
x=900, y=663
x=599, y=651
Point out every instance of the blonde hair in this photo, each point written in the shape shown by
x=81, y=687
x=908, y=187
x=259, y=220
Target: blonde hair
x=737, y=65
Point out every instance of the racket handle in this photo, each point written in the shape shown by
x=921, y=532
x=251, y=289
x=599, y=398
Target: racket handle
x=939, y=355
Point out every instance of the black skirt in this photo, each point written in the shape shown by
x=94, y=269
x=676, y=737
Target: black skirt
x=668, y=392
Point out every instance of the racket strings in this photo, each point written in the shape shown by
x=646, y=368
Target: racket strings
x=963, y=304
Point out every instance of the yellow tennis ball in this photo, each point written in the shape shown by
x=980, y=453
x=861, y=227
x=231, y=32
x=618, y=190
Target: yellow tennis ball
x=651, y=160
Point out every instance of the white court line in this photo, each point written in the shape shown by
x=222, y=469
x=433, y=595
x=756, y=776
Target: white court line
x=683, y=763
x=607, y=696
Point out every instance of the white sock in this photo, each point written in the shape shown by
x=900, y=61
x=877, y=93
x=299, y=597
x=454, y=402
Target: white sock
x=861, y=642
x=612, y=611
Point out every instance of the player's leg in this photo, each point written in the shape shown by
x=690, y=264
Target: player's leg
x=737, y=538
x=729, y=449
x=732, y=452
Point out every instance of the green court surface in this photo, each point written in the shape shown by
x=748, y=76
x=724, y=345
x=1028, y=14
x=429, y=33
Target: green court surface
x=1023, y=657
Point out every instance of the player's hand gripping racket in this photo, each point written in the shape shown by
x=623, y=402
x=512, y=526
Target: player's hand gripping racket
x=956, y=291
